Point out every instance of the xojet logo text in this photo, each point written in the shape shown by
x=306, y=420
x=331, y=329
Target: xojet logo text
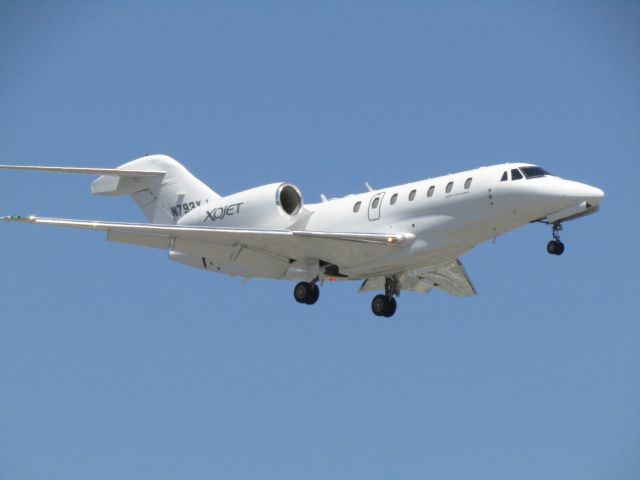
x=222, y=212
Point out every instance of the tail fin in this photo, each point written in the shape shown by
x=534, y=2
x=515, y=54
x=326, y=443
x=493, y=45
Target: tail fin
x=163, y=189
x=164, y=196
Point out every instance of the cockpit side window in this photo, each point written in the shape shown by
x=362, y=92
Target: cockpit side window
x=534, y=172
x=515, y=174
x=505, y=177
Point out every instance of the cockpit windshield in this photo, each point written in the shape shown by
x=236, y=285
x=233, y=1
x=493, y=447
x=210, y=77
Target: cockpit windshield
x=533, y=172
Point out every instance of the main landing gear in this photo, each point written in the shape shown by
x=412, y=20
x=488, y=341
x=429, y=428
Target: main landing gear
x=555, y=246
x=385, y=305
x=306, y=292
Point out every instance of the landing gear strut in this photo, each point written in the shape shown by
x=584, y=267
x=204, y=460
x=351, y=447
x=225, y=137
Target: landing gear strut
x=306, y=292
x=555, y=246
x=385, y=305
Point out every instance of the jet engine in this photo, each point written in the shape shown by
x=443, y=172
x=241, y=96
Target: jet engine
x=277, y=205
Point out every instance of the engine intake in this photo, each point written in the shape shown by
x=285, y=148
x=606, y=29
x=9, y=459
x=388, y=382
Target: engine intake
x=289, y=198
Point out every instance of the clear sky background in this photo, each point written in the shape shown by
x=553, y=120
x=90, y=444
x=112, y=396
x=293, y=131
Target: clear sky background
x=117, y=363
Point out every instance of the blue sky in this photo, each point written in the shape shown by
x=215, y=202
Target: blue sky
x=117, y=363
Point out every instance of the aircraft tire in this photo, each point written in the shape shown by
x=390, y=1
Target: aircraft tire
x=301, y=292
x=379, y=305
x=305, y=292
x=313, y=295
x=555, y=247
x=391, y=307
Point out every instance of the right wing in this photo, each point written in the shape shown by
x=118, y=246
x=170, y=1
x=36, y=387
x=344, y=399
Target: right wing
x=449, y=277
x=338, y=248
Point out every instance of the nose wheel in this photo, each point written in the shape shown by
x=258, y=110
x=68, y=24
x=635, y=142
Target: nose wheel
x=306, y=292
x=555, y=246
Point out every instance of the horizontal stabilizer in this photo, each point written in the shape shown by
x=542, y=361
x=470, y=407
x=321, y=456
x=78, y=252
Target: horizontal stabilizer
x=87, y=171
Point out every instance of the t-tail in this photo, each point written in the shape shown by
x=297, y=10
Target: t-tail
x=163, y=188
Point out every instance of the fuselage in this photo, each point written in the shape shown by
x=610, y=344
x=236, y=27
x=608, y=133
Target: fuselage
x=451, y=214
x=442, y=218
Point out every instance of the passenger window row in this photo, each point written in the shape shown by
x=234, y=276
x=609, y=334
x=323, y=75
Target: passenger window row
x=412, y=194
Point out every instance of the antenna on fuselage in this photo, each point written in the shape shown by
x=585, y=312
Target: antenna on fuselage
x=369, y=187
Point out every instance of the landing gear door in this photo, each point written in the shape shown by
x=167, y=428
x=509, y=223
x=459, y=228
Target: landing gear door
x=374, y=206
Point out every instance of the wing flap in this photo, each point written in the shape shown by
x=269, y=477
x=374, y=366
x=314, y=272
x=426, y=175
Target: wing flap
x=151, y=241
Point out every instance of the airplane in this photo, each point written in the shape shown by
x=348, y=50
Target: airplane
x=406, y=237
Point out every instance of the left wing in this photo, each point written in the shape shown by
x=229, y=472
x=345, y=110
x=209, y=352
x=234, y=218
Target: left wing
x=338, y=248
x=449, y=277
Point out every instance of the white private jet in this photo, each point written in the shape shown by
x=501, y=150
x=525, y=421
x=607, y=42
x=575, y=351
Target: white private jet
x=407, y=237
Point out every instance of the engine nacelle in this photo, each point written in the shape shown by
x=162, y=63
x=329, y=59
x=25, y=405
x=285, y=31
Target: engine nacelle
x=277, y=205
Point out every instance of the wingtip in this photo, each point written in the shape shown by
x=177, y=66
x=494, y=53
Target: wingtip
x=17, y=218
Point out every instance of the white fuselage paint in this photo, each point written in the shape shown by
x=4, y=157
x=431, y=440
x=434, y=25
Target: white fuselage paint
x=443, y=226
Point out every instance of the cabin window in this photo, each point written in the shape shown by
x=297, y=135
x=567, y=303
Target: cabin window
x=449, y=187
x=356, y=207
x=375, y=203
x=467, y=183
x=394, y=198
x=505, y=177
x=432, y=189
x=412, y=195
x=515, y=174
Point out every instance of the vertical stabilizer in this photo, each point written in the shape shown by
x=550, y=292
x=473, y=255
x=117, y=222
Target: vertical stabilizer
x=163, y=198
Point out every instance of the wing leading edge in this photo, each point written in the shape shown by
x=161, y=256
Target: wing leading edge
x=339, y=248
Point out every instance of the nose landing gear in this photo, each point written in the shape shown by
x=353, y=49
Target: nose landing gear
x=555, y=246
x=306, y=292
x=385, y=305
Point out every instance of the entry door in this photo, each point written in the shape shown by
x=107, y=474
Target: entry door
x=374, y=206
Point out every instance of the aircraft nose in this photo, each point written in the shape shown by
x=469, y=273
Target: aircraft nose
x=592, y=195
x=580, y=192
